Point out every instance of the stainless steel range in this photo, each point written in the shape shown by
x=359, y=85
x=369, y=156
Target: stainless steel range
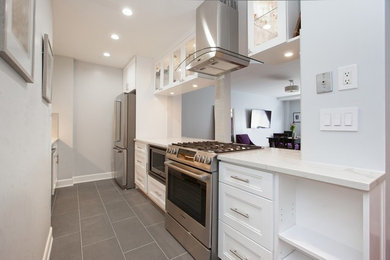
x=192, y=194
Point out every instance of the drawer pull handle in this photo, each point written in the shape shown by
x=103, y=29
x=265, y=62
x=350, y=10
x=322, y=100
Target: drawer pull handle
x=138, y=161
x=234, y=252
x=239, y=179
x=239, y=212
x=158, y=193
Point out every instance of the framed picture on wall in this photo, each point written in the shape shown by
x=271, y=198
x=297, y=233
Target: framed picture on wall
x=296, y=117
x=47, y=70
x=17, y=36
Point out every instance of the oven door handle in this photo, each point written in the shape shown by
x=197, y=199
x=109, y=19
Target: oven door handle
x=201, y=177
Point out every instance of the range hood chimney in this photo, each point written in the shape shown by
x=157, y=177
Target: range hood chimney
x=217, y=39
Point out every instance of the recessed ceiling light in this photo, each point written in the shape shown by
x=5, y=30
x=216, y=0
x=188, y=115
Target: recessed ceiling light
x=127, y=11
x=267, y=26
x=194, y=86
x=115, y=36
x=288, y=54
x=106, y=54
x=172, y=93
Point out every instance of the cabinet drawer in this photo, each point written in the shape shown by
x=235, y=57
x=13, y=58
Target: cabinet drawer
x=254, y=181
x=140, y=147
x=141, y=178
x=233, y=245
x=249, y=214
x=156, y=192
x=140, y=159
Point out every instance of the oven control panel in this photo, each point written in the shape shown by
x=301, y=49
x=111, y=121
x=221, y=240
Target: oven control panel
x=200, y=159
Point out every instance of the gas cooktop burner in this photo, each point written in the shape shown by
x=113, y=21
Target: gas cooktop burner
x=217, y=147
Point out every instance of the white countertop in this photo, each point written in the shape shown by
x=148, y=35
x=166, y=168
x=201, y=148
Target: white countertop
x=164, y=142
x=289, y=162
x=54, y=140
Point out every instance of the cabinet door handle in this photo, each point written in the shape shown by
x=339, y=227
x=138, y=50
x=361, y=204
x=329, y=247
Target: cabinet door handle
x=138, y=161
x=158, y=193
x=239, y=179
x=239, y=212
x=234, y=252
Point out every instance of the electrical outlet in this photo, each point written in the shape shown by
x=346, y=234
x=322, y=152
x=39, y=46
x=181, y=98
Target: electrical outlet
x=348, y=77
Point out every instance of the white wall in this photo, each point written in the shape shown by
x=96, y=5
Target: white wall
x=95, y=89
x=25, y=132
x=152, y=116
x=63, y=85
x=242, y=102
x=83, y=95
x=197, y=117
x=342, y=42
x=387, y=69
x=291, y=106
x=174, y=116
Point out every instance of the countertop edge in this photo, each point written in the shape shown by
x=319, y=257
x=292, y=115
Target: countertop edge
x=363, y=186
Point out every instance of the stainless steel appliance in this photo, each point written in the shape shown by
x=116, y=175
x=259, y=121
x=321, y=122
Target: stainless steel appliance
x=124, y=135
x=217, y=39
x=192, y=194
x=156, y=163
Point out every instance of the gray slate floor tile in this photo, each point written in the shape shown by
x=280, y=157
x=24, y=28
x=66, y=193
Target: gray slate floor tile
x=104, y=250
x=118, y=210
x=134, y=197
x=186, y=256
x=95, y=229
x=166, y=241
x=131, y=234
x=64, y=224
x=148, y=252
x=148, y=214
x=89, y=208
x=67, y=247
x=65, y=205
x=89, y=194
x=111, y=195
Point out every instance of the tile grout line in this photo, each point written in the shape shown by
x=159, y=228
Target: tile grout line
x=90, y=244
x=81, y=236
x=139, y=247
x=114, y=222
x=145, y=228
x=109, y=221
x=65, y=234
x=179, y=256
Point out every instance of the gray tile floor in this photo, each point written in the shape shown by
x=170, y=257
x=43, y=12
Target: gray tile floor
x=98, y=220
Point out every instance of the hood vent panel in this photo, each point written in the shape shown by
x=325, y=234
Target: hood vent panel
x=217, y=39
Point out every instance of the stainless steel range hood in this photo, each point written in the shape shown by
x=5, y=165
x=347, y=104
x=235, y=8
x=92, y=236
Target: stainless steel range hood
x=217, y=39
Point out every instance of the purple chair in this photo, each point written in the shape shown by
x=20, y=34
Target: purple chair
x=243, y=139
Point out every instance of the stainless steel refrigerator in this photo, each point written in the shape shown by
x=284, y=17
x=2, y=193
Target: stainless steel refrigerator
x=124, y=135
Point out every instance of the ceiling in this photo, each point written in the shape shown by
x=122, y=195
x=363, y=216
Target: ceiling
x=82, y=28
x=267, y=80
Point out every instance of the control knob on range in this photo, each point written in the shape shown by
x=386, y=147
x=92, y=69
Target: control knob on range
x=208, y=160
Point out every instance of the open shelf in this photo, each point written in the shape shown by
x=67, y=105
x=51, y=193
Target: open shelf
x=296, y=255
x=317, y=245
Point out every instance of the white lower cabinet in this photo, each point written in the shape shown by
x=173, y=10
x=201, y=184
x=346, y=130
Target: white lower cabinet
x=141, y=178
x=246, y=213
x=250, y=214
x=235, y=246
x=156, y=192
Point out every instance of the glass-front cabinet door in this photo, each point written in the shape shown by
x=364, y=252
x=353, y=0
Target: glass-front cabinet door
x=189, y=48
x=167, y=70
x=266, y=24
x=157, y=76
x=177, y=71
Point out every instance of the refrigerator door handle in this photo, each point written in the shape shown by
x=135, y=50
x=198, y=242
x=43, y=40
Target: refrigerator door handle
x=118, y=120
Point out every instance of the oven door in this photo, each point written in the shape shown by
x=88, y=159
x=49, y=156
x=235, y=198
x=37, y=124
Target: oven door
x=189, y=199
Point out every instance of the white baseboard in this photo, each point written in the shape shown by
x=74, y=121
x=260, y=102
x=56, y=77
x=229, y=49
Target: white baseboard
x=93, y=177
x=84, y=178
x=49, y=243
x=64, y=183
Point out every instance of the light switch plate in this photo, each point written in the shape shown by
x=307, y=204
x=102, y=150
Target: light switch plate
x=339, y=119
x=324, y=82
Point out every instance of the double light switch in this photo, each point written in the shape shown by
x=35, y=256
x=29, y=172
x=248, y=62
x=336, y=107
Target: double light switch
x=339, y=119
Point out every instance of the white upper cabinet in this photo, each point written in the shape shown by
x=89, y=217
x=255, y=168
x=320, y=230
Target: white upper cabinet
x=272, y=30
x=171, y=76
x=129, y=76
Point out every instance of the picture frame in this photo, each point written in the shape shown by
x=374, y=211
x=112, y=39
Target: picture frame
x=296, y=117
x=17, y=31
x=47, y=68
